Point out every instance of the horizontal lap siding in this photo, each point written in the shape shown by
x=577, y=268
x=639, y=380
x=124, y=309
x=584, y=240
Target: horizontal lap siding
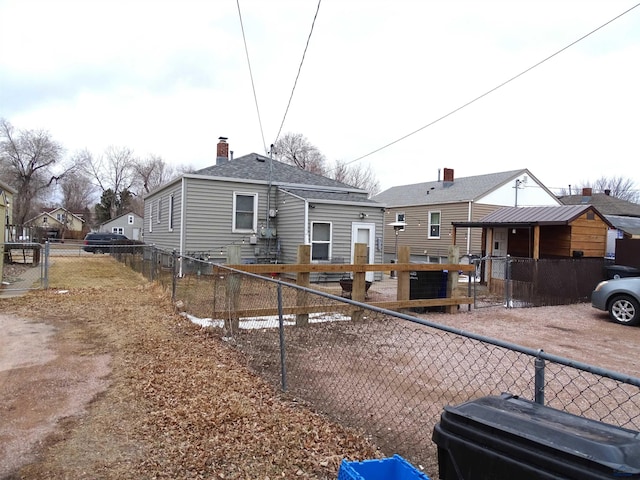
x=161, y=236
x=290, y=223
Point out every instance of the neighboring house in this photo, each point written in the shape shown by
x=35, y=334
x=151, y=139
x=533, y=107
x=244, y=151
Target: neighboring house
x=622, y=214
x=6, y=202
x=266, y=207
x=59, y=223
x=430, y=208
x=129, y=224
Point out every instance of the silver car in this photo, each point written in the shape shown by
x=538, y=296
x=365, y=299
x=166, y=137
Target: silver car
x=620, y=297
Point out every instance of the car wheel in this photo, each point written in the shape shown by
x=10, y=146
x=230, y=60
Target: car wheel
x=625, y=310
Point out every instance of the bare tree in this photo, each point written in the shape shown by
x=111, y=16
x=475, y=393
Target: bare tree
x=357, y=175
x=113, y=171
x=152, y=172
x=78, y=193
x=616, y=186
x=29, y=161
x=295, y=149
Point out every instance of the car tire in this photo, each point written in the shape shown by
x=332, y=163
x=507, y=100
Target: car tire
x=625, y=310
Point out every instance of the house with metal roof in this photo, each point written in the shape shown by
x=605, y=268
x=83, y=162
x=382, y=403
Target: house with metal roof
x=421, y=215
x=266, y=207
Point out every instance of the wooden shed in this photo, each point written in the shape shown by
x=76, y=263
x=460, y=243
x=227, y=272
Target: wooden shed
x=567, y=231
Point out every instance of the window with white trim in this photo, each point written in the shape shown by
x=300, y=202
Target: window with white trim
x=171, y=213
x=159, y=211
x=119, y=230
x=434, y=224
x=400, y=217
x=245, y=212
x=320, y=240
x=130, y=219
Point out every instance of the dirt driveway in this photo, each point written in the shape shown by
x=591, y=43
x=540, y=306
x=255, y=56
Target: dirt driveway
x=108, y=382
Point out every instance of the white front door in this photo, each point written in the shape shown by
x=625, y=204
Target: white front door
x=136, y=234
x=499, y=249
x=364, y=233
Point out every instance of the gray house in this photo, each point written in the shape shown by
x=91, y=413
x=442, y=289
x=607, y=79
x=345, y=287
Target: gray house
x=267, y=207
x=129, y=224
x=428, y=210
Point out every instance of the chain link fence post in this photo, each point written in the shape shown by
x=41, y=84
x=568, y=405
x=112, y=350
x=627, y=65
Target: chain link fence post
x=539, y=379
x=507, y=282
x=283, y=365
x=45, y=266
x=174, y=280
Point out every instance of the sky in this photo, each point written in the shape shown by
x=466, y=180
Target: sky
x=168, y=77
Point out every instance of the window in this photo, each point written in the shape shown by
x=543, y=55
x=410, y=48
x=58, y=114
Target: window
x=320, y=241
x=171, y=213
x=130, y=219
x=119, y=230
x=61, y=217
x=245, y=208
x=434, y=224
x=400, y=217
x=159, y=211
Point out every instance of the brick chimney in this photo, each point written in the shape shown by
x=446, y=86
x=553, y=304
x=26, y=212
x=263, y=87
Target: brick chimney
x=587, y=192
x=448, y=177
x=222, y=155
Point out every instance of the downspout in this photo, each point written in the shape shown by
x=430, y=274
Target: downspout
x=469, y=228
x=306, y=222
x=183, y=209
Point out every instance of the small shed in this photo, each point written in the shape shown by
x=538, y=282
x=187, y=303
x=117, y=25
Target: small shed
x=565, y=231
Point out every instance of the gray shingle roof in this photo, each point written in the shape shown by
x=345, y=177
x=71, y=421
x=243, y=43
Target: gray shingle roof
x=462, y=189
x=257, y=167
x=606, y=204
x=630, y=225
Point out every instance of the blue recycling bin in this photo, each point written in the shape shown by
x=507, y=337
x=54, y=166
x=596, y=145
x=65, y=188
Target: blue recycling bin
x=393, y=468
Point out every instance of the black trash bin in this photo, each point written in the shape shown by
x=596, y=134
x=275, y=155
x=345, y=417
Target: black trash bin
x=427, y=284
x=620, y=271
x=507, y=437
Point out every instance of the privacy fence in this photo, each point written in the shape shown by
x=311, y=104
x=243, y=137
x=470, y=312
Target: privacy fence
x=386, y=373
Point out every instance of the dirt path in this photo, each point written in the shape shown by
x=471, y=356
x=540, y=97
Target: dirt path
x=45, y=377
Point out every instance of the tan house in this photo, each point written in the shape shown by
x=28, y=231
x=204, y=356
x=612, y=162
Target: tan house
x=59, y=223
x=421, y=215
x=6, y=204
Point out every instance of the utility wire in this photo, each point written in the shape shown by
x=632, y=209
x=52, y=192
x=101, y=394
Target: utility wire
x=493, y=89
x=253, y=86
x=299, y=69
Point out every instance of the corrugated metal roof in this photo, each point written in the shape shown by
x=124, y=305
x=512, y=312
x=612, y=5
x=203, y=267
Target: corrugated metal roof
x=551, y=215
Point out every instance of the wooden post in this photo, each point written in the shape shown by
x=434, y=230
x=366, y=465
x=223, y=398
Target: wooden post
x=304, y=257
x=403, y=275
x=234, y=257
x=358, y=287
x=452, y=277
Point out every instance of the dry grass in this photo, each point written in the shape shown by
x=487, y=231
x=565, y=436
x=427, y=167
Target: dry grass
x=180, y=404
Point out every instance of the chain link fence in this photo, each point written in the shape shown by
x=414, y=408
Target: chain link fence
x=384, y=373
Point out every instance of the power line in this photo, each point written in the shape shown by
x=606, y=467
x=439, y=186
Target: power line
x=493, y=89
x=253, y=86
x=299, y=69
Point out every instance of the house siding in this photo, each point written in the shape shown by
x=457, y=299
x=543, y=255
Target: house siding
x=160, y=234
x=290, y=220
x=416, y=233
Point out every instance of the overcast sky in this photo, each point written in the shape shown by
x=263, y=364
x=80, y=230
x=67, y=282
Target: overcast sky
x=169, y=77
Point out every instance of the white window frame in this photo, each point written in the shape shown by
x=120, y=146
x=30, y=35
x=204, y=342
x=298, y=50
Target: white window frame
x=130, y=219
x=401, y=217
x=170, y=219
x=150, y=217
x=159, y=211
x=254, y=223
x=431, y=225
x=323, y=242
x=118, y=230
